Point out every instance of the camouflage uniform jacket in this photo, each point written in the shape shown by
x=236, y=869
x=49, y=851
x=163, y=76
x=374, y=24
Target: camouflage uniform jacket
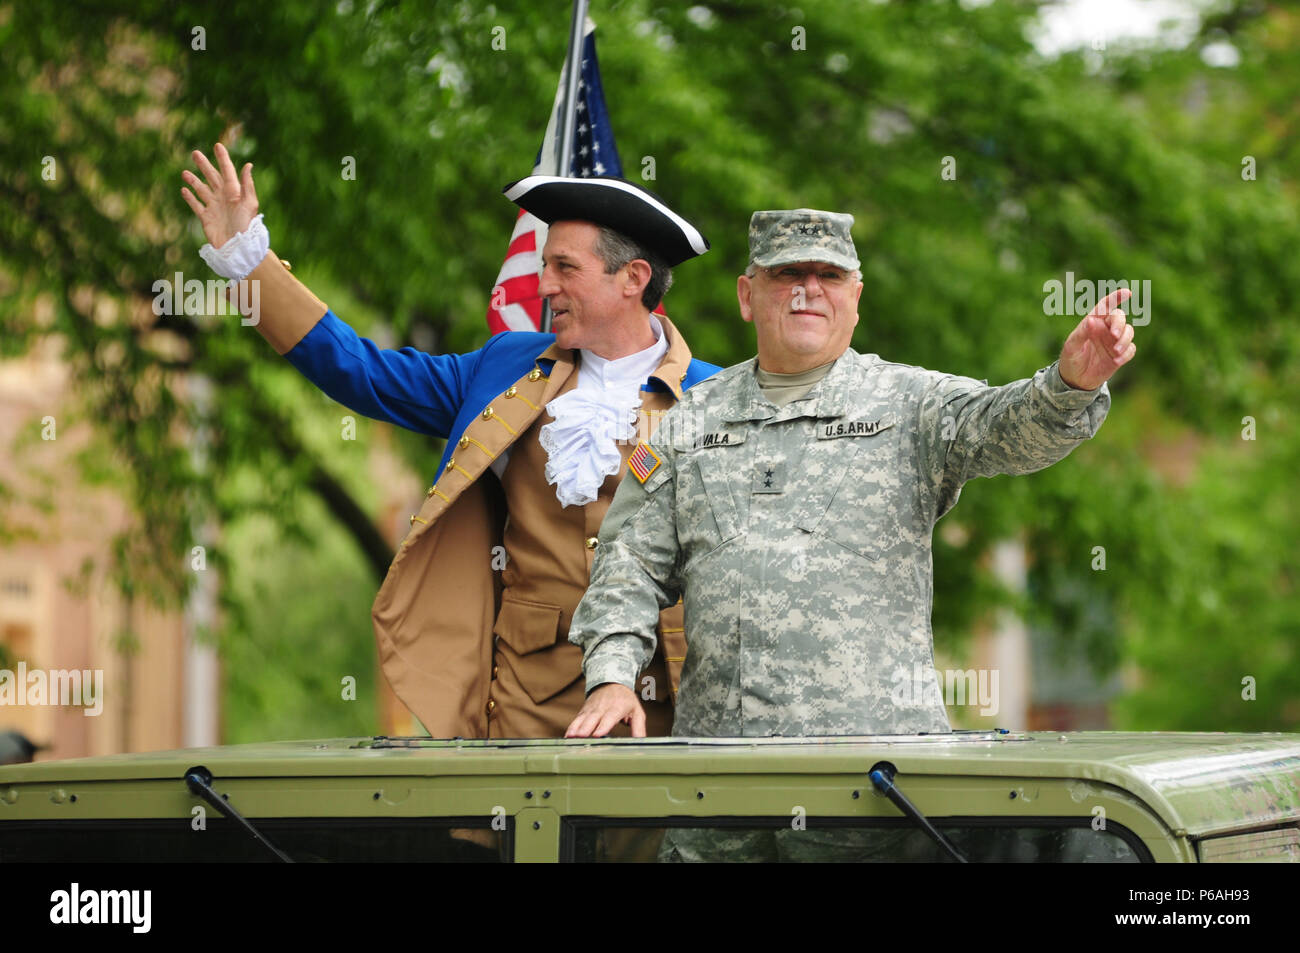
x=799, y=538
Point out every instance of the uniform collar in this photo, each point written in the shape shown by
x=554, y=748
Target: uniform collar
x=828, y=398
x=668, y=376
x=672, y=370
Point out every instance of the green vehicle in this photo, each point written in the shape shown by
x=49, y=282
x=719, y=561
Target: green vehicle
x=966, y=796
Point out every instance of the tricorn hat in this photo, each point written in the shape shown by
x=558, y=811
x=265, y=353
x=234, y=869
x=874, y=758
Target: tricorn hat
x=624, y=206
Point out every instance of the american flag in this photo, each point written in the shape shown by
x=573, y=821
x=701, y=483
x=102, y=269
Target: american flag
x=640, y=462
x=515, y=304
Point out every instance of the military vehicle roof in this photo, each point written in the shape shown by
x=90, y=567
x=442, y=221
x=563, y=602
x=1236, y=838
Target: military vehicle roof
x=1197, y=782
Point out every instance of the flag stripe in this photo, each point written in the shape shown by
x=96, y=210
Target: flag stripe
x=516, y=317
x=517, y=266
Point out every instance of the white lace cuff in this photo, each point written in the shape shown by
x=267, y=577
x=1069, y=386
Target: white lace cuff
x=241, y=254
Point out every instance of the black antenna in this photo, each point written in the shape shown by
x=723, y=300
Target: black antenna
x=199, y=781
x=882, y=776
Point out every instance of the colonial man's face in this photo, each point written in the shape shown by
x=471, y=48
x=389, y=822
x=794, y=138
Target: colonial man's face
x=804, y=313
x=583, y=298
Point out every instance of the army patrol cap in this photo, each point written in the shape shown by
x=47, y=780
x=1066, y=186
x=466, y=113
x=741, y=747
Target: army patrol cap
x=785, y=236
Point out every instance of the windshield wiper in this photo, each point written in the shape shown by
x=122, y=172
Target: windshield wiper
x=882, y=776
x=199, y=781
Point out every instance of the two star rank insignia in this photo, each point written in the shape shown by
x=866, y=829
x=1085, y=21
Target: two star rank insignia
x=769, y=478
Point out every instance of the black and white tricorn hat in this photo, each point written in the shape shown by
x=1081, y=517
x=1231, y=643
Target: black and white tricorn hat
x=625, y=207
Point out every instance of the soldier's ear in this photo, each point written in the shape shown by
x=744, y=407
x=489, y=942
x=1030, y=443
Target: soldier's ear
x=743, y=289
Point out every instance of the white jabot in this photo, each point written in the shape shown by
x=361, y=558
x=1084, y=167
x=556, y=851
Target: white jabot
x=582, y=443
x=241, y=253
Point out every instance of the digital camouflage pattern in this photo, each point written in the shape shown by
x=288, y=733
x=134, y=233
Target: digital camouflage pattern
x=800, y=538
x=786, y=236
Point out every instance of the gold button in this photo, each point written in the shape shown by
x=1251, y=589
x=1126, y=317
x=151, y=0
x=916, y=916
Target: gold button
x=487, y=414
x=592, y=542
x=683, y=377
x=430, y=493
x=535, y=374
x=451, y=462
x=491, y=705
x=462, y=443
x=511, y=391
x=495, y=669
x=412, y=523
x=288, y=266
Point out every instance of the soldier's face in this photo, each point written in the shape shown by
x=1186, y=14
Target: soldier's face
x=583, y=299
x=803, y=313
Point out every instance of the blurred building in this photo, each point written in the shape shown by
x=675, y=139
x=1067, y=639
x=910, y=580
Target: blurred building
x=58, y=611
x=1032, y=683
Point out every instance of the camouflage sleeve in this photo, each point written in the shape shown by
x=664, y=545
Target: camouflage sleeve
x=969, y=429
x=634, y=576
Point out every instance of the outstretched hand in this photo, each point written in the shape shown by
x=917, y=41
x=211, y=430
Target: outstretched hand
x=1099, y=345
x=225, y=205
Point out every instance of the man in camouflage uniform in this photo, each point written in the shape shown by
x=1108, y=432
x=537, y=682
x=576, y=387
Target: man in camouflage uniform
x=790, y=501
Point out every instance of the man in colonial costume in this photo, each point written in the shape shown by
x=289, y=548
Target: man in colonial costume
x=539, y=428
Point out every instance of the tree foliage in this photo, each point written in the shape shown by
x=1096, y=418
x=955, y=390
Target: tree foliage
x=1122, y=165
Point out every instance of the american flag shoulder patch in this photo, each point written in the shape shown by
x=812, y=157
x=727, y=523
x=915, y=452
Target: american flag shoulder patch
x=643, y=462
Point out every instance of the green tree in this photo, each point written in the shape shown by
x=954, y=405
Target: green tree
x=977, y=170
